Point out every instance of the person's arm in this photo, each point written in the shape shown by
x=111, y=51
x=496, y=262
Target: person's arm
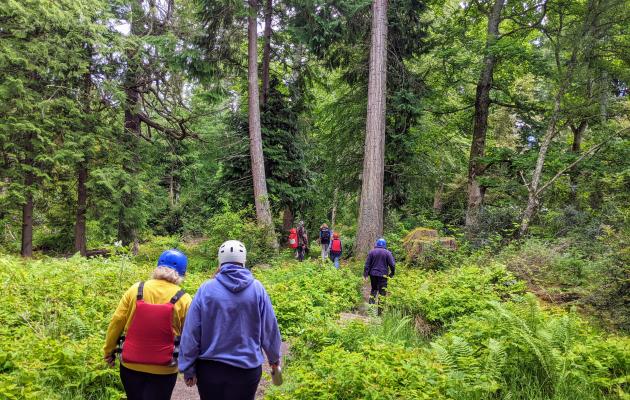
x=270, y=339
x=189, y=347
x=368, y=265
x=392, y=264
x=118, y=322
x=182, y=311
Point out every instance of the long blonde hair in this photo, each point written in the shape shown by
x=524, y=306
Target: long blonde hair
x=167, y=274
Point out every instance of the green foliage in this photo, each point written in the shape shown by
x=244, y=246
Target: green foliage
x=522, y=352
x=237, y=225
x=506, y=350
x=308, y=293
x=592, y=274
x=444, y=296
x=54, y=314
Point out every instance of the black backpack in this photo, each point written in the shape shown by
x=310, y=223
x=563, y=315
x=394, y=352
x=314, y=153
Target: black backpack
x=325, y=235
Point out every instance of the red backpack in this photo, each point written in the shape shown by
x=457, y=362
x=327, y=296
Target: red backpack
x=293, y=239
x=150, y=339
x=335, y=246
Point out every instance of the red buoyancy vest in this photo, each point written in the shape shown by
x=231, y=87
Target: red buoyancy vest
x=150, y=339
x=335, y=245
x=293, y=239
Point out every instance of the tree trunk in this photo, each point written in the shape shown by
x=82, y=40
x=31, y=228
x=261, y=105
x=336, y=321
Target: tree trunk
x=266, y=60
x=437, y=199
x=371, y=207
x=80, y=239
x=578, y=133
x=27, y=208
x=261, y=198
x=480, y=125
x=565, y=79
x=533, y=199
x=287, y=219
x=171, y=189
x=603, y=98
x=127, y=233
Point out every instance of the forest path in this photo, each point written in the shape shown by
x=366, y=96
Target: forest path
x=183, y=392
x=361, y=312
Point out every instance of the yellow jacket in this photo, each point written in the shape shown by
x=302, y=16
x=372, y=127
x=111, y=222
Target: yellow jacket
x=156, y=291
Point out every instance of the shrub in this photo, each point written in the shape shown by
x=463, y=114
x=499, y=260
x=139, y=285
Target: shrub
x=519, y=351
x=442, y=297
x=236, y=225
x=306, y=293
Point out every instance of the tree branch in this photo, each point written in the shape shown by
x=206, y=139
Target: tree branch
x=588, y=153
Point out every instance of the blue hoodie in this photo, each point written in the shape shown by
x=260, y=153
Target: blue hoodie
x=230, y=320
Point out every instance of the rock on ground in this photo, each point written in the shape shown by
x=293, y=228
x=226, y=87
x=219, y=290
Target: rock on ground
x=421, y=240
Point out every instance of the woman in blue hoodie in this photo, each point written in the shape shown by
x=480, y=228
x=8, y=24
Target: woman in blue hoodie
x=229, y=322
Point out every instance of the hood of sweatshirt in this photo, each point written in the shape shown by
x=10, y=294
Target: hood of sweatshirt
x=235, y=278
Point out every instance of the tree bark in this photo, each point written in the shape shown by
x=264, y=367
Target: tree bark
x=266, y=60
x=371, y=207
x=127, y=233
x=533, y=197
x=578, y=133
x=261, y=197
x=27, y=207
x=287, y=219
x=80, y=238
x=480, y=125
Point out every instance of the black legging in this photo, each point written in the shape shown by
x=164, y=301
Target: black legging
x=301, y=251
x=144, y=386
x=379, y=285
x=220, y=381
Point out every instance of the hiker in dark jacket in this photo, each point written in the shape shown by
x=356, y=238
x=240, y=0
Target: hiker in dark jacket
x=378, y=264
x=324, y=240
x=302, y=248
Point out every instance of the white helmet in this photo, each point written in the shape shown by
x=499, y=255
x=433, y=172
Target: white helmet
x=232, y=251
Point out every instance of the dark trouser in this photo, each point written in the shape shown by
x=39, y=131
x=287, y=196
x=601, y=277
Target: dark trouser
x=379, y=284
x=220, y=381
x=144, y=386
x=301, y=250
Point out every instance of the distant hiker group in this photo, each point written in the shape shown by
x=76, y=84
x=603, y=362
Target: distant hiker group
x=330, y=242
x=217, y=338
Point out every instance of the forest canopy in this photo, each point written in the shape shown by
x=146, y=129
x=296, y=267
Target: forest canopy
x=492, y=121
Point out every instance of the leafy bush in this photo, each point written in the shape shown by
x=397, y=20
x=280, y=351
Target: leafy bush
x=591, y=274
x=518, y=351
x=307, y=293
x=237, y=225
x=442, y=297
x=53, y=319
x=510, y=350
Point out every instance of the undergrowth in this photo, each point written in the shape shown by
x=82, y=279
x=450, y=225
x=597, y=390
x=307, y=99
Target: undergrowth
x=464, y=332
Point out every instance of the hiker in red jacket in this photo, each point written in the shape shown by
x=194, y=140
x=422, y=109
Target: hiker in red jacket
x=336, y=249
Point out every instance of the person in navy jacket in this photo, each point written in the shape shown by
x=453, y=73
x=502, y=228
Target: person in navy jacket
x=379, y=266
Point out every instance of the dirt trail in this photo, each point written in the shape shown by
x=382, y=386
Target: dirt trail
x=183, y=392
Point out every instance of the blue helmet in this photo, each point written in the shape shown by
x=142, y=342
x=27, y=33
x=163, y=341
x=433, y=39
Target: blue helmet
x=174, y=259
x=381, y=243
